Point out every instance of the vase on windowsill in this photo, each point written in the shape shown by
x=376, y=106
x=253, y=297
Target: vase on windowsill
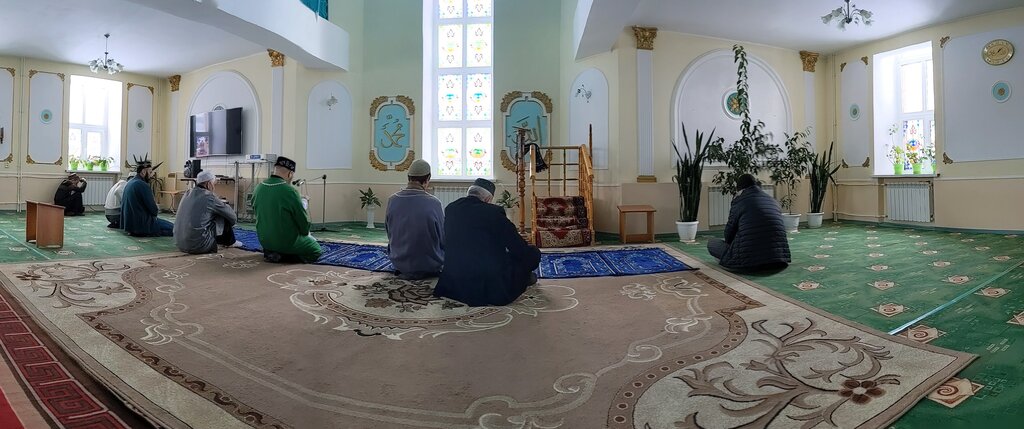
x=88, y=166
x=897, y=168
x=917, y=168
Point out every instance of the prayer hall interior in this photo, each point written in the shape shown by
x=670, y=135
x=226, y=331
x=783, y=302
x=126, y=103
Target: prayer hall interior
x=511, y=214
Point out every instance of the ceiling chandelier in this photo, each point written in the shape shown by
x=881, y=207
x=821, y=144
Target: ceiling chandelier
x=105, y=63
x=846, y=15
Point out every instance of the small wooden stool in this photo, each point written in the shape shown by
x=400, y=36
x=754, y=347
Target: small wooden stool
x=636, y=238
x=44, y=224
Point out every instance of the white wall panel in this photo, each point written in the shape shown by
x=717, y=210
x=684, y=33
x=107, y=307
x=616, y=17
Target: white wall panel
x=6, y=111
x=977, y=127
x=140, y=123
x=855, y=129
x=329, y=129
x=588, y=105
x=45, y=118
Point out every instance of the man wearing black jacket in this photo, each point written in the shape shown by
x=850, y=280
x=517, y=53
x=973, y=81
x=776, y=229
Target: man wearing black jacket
x=755, y=236
x=69, y=195
x=486, y=261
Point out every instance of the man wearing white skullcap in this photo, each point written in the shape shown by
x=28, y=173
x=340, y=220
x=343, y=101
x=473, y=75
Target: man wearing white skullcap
x=204, y=220
x=415, y=227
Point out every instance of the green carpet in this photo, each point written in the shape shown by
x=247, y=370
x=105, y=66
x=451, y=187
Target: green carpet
x=888, y=277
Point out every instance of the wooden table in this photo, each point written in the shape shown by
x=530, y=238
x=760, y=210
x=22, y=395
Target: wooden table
x=44, y=224
x=636, y=238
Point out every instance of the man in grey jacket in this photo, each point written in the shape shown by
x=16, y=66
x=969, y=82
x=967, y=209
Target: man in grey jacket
x=415, y=227
x=203, y=220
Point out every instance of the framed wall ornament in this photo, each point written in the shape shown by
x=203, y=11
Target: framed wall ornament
x=392, y=123
x=530, y=110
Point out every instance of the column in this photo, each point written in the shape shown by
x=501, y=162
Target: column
x=277, y=102
x=177, y=152
x=810, y=97
x=645, y=103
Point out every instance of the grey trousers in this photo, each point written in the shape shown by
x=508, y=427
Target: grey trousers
x=717, y=247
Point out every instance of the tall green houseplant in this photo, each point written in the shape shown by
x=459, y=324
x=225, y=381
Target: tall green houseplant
x=823, y=171
x=751, y=153
x=689, y=169
x=789, y=166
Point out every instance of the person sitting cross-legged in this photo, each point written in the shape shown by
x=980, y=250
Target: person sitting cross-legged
x=755, y=236
x=282, y=223
x=112, y=206
x=69, y=195
x=415, y=226
x=486, y=261
x=204, y=220
x=138, y=206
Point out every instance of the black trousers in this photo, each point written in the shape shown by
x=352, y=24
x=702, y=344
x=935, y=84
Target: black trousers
x=115, y=221
x=72, y=204
x=227, y=238
x=717, y=247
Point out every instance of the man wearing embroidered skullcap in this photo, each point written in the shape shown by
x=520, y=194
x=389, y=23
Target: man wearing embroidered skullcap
x=282, y=223
x=204, y=220
x=69, y=195
x=486, y=262
x=415, y=226
x=138, y=206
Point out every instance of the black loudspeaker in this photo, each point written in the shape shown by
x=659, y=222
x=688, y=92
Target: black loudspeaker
x=192, y=168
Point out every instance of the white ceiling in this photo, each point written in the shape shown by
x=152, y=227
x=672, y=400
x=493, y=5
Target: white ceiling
x=144, y=40
x=793, y=24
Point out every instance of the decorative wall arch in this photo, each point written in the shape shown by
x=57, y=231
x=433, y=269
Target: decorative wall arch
x=228, y=89
x=588, y=105
x=329, y=126
x=702, y=92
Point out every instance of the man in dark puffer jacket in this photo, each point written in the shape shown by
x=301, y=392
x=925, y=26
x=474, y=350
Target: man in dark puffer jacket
x=755, y=237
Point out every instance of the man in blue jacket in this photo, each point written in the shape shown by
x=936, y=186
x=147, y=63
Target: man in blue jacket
x=139, y=209
x=486, y=262
x=755, y=236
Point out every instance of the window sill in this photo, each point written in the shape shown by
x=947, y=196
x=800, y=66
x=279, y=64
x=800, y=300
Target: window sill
x=94, y=171
x=908, y=176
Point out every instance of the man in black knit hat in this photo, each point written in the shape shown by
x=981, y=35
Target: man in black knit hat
x=755, y=236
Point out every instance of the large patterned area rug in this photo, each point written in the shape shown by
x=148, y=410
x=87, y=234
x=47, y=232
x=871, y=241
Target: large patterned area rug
x=221, y=341
x=626, y=261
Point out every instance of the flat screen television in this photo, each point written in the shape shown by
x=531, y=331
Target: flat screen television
x=216, y=133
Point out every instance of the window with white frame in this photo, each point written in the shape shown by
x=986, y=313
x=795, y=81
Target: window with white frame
x=458, y=84
x=94, y=122
x=905, y=111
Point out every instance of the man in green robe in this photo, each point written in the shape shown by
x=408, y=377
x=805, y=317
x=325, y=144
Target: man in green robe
x=282, y=223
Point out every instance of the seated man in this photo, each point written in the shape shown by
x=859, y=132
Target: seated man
x=139, y=209
x=755, y=237
x=204, y=220
x=69, y=195
x=112, y=207
x=415, y=226
x=282, y=223
x=486, y=261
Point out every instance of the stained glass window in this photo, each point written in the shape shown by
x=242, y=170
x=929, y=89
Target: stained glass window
x=479, y=41
x=449, y=44
x=462, y=70
x=913, y=135
x=479, y=149
x=449, y=97
x=450, y=9
x=449, y=151
x=479, y=8
x=478, y=97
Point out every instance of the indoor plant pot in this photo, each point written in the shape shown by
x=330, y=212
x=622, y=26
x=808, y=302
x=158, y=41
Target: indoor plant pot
x=792, y=221
x=822, y=172
x=897, y=168
x=369, y=218
x=369, y=202
x=689, y=172
x=917, y=168
x=814, y=220
x=687, y=230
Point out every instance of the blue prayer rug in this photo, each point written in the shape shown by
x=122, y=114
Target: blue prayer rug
x=623, y=262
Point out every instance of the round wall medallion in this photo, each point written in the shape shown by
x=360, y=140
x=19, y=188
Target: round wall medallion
x=140, y=125
x=1001, y=91
x=731, y=104
x=854, y=112
x=997, y=52
x=46, y=116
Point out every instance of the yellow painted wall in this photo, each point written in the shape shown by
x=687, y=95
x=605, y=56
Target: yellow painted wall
x=19, y=180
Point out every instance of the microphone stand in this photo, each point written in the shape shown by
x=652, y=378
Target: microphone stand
x=323, y=207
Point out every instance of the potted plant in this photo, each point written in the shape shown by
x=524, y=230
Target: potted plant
x=508, y=202
x=929, y=156
x=104, y=162
x=370, y=203
x=915, y=155
x=895, y=152
x=90, y=162
x=822, y=172
x=689, y=170
x=751, y=153
x=73, y=161
x=787, y=169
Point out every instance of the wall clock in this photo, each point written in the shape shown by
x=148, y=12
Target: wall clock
x=997, y=52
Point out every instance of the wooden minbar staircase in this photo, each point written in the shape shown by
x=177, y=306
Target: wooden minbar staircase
x=563, y=216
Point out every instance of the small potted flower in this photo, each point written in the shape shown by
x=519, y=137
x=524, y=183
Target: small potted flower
x=104, y=162
x=90, y=162
x=507, y=201
x=369, y=202
x=73, y=161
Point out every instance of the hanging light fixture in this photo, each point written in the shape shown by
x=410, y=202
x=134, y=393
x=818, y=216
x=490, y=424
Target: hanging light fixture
x=847, y=14
x=105, y=63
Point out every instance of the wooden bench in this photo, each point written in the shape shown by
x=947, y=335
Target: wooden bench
x=44, y=224
x=636, y=238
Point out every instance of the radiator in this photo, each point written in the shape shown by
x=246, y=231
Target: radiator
x=99, y=184
x=449, y=193
x=719, y=203
x=908, y=201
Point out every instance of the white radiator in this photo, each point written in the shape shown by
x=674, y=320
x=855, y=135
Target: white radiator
x=719, y=204
x=449, y=193
x=908, y=201
x=99, y=184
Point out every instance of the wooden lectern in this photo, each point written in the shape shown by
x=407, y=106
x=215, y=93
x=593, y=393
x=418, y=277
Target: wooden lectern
x=44, y=224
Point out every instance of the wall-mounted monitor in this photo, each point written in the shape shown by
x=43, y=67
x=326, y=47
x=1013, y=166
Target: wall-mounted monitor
x=216, y=133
